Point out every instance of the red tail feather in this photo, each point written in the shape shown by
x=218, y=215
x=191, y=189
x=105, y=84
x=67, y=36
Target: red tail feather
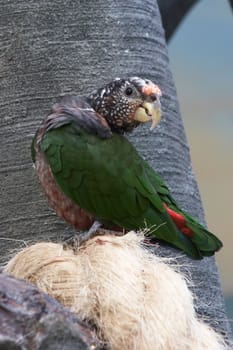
x=178, y=220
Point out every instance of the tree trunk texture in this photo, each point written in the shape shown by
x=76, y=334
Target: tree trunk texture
x=30, y=319
x=172, y=13
x=51, y=48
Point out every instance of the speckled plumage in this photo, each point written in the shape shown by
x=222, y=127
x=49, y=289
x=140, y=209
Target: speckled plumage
x=89, y=170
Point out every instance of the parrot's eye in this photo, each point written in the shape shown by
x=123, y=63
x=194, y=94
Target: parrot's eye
x=128, y=91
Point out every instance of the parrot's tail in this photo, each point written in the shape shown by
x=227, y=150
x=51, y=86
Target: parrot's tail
x=205, y=242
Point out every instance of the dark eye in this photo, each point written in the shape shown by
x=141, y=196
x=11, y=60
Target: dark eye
x=128, y=91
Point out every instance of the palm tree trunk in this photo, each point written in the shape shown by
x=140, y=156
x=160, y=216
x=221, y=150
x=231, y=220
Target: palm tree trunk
x=50, y=48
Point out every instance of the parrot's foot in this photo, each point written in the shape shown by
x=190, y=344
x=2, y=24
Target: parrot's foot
x=76, y=241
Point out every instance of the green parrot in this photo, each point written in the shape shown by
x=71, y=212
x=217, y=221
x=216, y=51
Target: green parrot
x=93, y=176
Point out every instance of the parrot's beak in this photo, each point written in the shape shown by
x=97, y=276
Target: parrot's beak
x=149, y=111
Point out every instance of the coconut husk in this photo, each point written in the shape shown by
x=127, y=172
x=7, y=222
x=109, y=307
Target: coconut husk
x=136, y=300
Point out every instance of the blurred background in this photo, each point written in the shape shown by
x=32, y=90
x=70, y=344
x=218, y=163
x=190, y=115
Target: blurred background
x=201, y=58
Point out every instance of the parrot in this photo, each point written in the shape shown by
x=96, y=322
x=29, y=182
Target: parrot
x=94, y=177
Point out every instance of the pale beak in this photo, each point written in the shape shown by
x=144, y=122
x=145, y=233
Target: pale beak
x=149, y=111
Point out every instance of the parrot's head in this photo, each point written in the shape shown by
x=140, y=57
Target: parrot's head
x=125, y=103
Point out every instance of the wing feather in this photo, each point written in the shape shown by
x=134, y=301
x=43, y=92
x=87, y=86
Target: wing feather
x=88, y=168
x=110, y=180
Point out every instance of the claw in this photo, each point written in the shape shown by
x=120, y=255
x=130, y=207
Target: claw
x=74, y=242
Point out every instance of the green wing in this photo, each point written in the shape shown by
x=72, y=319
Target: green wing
x=109, y=179
x=206, y=242
x=104, y=176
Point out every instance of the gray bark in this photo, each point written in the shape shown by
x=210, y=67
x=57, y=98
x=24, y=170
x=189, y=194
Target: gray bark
x=50, y=48
x=30, y=319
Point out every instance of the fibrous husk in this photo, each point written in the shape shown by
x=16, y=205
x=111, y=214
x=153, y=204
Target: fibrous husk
x=135, y=299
